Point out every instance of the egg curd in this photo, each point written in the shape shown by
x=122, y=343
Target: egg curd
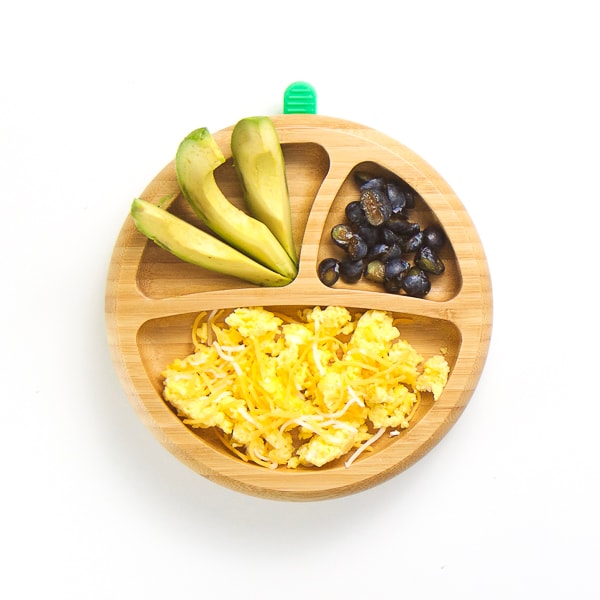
x=301, y=392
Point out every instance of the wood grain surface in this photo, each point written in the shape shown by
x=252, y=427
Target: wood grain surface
x=152, y=299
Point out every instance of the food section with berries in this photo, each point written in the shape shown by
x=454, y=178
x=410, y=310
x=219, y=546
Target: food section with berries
x=381, y=243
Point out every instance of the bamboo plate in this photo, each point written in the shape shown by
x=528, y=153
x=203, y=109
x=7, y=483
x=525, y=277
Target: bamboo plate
x=152, y=299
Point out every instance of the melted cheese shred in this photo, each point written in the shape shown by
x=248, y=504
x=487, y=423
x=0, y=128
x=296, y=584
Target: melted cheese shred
x=305, y=392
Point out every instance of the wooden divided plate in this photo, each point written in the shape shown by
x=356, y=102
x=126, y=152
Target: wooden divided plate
x=152, y=299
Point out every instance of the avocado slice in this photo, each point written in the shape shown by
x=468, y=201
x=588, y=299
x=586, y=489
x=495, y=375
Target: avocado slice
x=197, y=157
x=259, y=162
x=197, y=247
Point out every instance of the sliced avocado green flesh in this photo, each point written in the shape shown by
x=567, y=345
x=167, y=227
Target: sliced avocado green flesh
x=197, y=157
x=197, y=247
x=258, y=159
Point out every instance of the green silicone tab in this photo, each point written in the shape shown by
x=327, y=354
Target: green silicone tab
x=300, y=98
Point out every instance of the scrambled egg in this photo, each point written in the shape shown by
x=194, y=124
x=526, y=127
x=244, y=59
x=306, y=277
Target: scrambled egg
x=304, y=392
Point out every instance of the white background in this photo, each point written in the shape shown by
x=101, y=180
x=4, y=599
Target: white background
x=501, y=98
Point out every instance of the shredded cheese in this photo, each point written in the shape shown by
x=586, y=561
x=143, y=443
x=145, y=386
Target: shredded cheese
x=221, y=352
x=362, y=448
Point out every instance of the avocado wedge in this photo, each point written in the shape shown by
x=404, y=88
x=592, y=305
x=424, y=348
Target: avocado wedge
x=259, y=162
x=197, y=157
x=197, y=247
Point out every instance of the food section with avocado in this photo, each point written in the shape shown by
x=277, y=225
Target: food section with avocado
x=256, y=246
